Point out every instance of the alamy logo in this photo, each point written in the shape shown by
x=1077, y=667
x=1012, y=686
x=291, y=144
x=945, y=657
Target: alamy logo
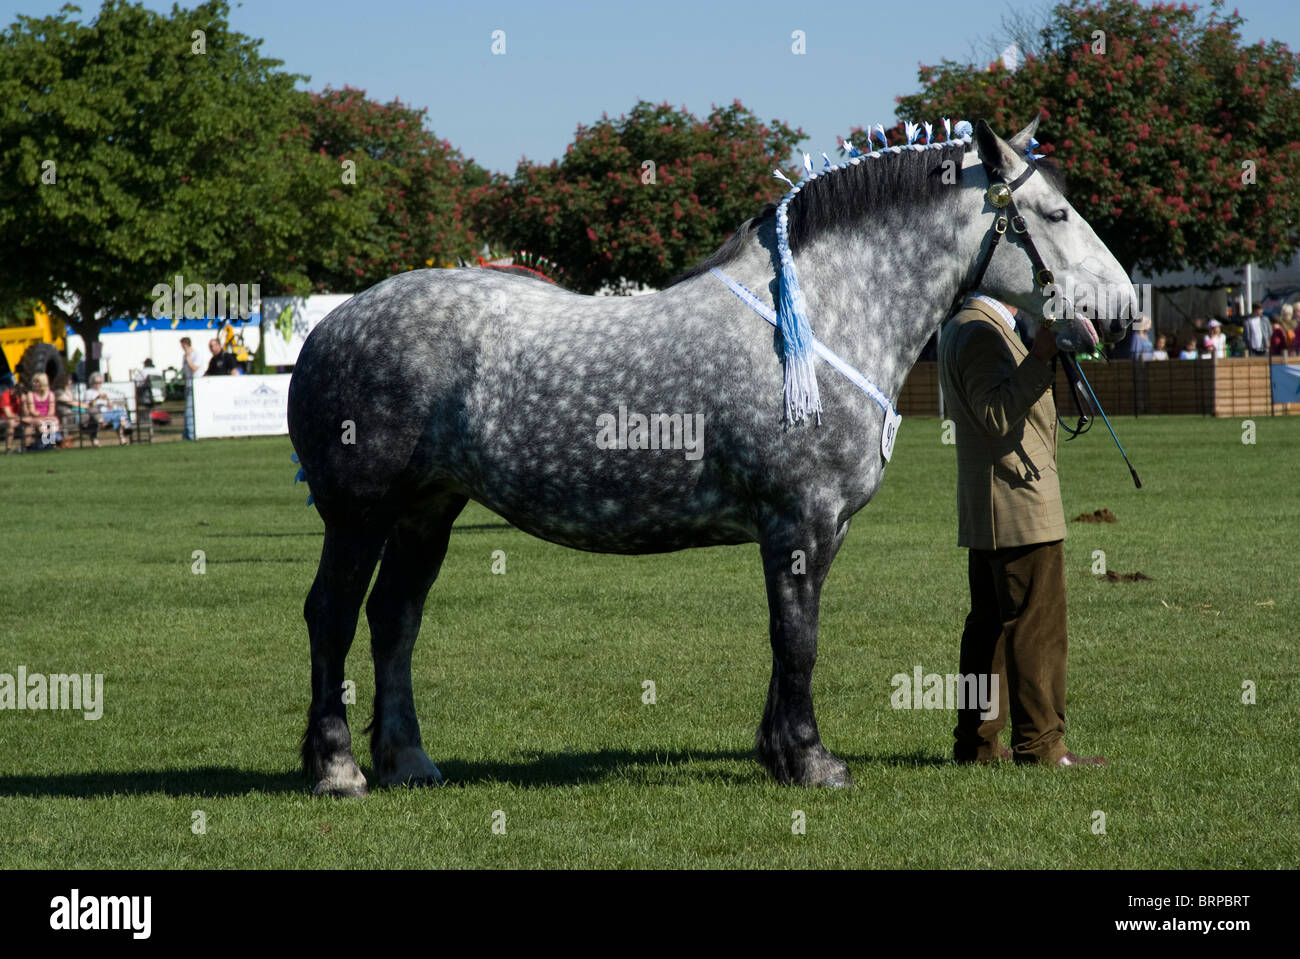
x=55, y=691
x=1100, y=301
x=197, y=301
x=74, y=912
x=658, y=431
x=924, y=690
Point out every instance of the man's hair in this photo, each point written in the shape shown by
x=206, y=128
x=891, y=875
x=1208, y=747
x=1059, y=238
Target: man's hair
x=186, y=341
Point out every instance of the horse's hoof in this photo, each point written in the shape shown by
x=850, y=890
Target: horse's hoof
x=343, y=780
x=340, y=790
x=417, y=782
x=837, y=780
x=830, y=773
x=413, y=769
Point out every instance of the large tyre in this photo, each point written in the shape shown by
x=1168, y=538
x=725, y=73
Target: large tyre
x=43, y=358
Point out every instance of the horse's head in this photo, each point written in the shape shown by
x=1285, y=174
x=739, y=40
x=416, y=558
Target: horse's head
x=1083, y=279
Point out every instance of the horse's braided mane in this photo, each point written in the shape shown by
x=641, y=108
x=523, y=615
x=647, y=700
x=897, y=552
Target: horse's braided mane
x=874, y=187
x=849, y=196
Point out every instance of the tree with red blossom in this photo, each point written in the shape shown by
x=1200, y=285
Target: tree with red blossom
x=638, y=199
x=408, y=184
x=1181, y=146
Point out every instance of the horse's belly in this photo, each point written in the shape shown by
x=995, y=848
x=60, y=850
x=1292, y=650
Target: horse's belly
x=610, y=500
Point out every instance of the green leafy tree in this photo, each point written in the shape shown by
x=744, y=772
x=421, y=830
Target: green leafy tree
x=1181, y=145
x=408, y=186
x=638, y=199
x=138, y=146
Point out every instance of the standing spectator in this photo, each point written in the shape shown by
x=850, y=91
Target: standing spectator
x=189, y=366
x=1216, y=340
x=221, y=364
x=146, y=373
x=1277, y=341
x=1288, y=329
x=41, y=414
x=144, y=384
x=1257, y=331
x=1160, y=352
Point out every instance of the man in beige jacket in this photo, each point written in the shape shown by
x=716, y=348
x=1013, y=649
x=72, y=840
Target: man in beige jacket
x=1010, y=518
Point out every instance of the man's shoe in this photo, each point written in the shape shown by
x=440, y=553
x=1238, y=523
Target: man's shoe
x=1070, y=759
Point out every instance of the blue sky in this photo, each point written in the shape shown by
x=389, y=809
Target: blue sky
x=567, y=62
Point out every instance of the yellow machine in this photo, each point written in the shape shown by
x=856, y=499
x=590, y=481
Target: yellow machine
x=232, y=342
x=37, y=348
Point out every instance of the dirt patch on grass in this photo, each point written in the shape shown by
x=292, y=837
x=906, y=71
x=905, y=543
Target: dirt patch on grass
x=1096, y=516
x=1114, y=577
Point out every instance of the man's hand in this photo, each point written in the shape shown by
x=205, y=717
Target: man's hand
x=1044, y=344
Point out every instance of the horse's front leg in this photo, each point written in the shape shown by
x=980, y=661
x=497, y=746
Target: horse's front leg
x=796, y=559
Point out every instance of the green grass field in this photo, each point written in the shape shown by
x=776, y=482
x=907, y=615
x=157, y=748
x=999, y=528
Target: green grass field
x=529, y=683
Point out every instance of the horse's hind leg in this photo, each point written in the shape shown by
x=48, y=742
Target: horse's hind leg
x=788, y=742
x=412, y=559
x=347, y=560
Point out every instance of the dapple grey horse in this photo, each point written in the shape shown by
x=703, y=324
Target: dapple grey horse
x=435, y=387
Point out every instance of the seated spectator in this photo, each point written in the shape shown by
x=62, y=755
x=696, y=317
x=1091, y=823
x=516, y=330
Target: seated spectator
x=1191, y=349
x=1215, y=340
x=69, y=412
x=10, y=406
x=1139, y=341
x=41, y=415
x=1160, y=352
x=100, y=412
x=221, y=364
x=1236, y=341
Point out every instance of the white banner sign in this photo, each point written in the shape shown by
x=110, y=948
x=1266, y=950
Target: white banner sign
x=286, y=321
x=241, y=406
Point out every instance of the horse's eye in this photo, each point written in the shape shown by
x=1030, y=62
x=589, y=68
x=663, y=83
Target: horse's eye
x=1058, y=216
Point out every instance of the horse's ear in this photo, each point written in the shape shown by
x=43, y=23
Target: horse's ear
x=1020, y=142
x=996, y=153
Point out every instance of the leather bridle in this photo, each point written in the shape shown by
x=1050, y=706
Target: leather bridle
x=1000, y=195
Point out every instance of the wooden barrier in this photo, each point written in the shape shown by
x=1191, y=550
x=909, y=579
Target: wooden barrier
x=1236, y=386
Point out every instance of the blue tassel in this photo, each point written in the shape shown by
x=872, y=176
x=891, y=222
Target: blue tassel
x=310, y=499
x=802, y=397
x=963, y=130
x=294, y=457
x=299, y=478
